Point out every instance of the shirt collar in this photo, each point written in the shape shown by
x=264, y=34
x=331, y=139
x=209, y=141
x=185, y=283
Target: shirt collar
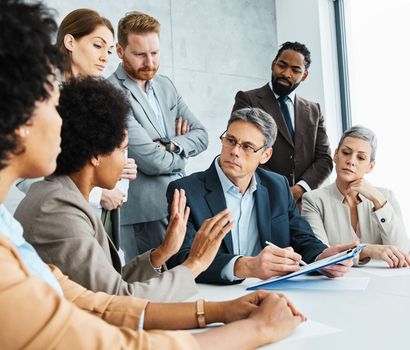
x=228, y=186
x=291, y=95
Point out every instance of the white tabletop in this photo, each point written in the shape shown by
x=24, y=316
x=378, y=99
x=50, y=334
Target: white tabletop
x=375, y=318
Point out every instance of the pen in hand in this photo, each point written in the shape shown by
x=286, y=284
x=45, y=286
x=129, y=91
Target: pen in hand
x=301, y=262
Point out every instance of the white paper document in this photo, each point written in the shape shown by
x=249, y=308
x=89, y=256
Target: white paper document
x=306, y=329
x=380, y=268
x=310, y=329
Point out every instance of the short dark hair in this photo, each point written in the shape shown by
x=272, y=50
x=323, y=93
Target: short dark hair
x=298, y=47
x=259, y=118
x=27, y=58
x=94, y=115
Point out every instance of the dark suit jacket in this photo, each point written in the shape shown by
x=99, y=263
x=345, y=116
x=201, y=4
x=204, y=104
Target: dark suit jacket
x=278, y=218
x=309, y=158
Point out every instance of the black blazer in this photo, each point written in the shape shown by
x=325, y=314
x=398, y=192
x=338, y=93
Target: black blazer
x=278, y=218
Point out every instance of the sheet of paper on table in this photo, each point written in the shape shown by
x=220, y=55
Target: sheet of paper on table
x=310, y=328
x=306, y=329
x=380, y=268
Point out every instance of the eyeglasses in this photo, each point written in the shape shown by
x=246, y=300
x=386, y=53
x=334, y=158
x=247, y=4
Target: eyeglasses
x=231, y=142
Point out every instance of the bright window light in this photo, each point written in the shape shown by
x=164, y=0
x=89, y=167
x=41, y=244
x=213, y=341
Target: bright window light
x=378, y=41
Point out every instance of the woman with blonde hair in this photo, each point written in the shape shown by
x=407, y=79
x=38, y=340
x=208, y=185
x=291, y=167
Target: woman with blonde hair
x=353, y=209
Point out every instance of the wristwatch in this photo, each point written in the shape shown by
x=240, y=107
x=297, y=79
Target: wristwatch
x=157, y=269
x=200, y=313
x=166, y=142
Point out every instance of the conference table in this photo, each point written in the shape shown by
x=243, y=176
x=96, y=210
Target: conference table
x=374, y=317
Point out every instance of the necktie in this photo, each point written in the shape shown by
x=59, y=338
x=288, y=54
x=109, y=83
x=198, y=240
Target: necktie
x=286, y=114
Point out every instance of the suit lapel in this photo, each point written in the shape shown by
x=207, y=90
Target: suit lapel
x=216, y=200
x=162, y=100
x=138, y=96
x=262, y=212
x=268, y=103
x=302, y=122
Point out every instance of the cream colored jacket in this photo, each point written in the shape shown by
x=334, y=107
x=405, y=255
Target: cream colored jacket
x=330, y=219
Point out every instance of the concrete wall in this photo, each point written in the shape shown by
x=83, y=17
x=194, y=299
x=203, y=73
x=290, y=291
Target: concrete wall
x=210, y=49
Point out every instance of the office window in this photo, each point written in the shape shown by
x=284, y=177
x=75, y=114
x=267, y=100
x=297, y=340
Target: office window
x=378, y=52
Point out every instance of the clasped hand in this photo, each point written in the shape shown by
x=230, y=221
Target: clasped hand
x=274, y=316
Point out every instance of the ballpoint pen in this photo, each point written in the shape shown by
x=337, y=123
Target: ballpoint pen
x=301, y=262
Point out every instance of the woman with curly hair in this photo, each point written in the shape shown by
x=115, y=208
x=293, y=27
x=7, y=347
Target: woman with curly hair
x=59, y=222
x=40, y=307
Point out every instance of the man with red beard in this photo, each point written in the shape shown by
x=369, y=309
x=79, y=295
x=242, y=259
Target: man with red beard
x=301, y=152
x=162, y=133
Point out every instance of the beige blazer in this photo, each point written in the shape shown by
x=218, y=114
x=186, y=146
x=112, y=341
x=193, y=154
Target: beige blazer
x=330, y=219
x=34, y=316
x=66, y=232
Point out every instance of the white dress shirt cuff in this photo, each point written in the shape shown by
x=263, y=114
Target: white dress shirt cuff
x=178, y=149
x=305, y=185
x=123, y=186
x=227, y=272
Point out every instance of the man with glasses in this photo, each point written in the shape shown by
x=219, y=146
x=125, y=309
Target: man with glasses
x=261, y=206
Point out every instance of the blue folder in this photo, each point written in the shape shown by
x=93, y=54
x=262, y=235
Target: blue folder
x=314, y=266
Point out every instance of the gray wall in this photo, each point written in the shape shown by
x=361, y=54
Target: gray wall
x=210, y=49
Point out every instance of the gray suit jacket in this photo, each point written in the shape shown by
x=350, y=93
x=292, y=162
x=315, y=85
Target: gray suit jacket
x=146, y=195
x=307, y=159
x=24, y=185
x=66, y=232
x=330, y=219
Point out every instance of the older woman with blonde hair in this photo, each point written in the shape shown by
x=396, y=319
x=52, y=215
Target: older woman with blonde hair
x=353, y=209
